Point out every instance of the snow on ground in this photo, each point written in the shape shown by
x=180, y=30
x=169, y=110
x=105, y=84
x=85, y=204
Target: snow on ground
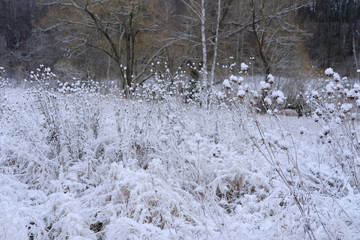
x=86, y=166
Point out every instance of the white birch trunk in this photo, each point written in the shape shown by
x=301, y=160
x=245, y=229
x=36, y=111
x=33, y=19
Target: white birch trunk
x=203, y=41
x=212, y=75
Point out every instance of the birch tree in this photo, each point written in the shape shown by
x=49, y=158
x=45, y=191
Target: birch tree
x=199, y=11
x=216, y=43
x=209, y=25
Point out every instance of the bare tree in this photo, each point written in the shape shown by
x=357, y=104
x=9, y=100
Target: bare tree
x=16, y=27
x=115, y=28
x=216, y=43
x=275, y=31
x=198, y=8
x=209, y=25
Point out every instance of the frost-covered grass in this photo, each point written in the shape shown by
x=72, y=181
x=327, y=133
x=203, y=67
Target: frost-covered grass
x=88, y=166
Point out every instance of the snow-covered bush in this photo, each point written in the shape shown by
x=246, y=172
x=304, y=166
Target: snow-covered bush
x=78, y=164
x=42, y=78
x=268, y=99
x=49, y=132
x=88, y=86
x=337, y=112
x=4, y=81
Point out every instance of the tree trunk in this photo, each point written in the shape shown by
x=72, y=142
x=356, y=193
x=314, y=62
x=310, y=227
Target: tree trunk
x=128, y=59
x=203, y=41
x=212, y=75
x=260, y=42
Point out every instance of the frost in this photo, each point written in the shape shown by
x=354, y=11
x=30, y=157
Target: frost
x=329, y=72
x=315, y=94
x=346, y=107
x=234, y=78
x=270, y=78
x=227, y=84
x=220, y=95
x=336, y=77
x=356, y=87
x=280, y=101
x=244, y=67
x=351, y=93
x=278, y=94
x=331, y=107
x=268, y=101
x=85, y=165
x=330, y=88
x=264, y=85
x=241, y=92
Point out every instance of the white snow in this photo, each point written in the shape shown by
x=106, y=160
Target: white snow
x=346, y=107
x=264, y=85
x=226, y=84
x=241, y=92
x=240, y=79
x=330, y=88
x=356, y=87
x=336, y=77
x=90, y=166
x=329, y=71
x=234, y=78
x=244, y=67
x=315, y=94
x=270, y=78
x=278, y=94
x=268, y=101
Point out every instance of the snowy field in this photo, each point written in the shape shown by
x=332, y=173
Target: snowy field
x=89, y=166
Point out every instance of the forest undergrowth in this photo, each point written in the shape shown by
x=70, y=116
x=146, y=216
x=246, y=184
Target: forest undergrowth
x=84, y=165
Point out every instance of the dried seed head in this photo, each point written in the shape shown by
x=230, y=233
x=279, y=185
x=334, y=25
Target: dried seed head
x=326, y=131
x=318, y=112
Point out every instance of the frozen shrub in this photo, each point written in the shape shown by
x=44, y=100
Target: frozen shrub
x=60, y=135
x=268, y=100
x=4, y=81
x=42, y=77
x=82, y=165
x=63, y=218
x=338, y=111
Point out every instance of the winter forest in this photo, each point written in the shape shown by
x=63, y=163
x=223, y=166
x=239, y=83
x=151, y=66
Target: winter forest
x=179, y=119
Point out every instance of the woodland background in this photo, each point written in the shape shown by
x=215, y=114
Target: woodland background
x=183, y=154
x=120, y=40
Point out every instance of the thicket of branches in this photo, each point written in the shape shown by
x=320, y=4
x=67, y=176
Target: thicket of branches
x=119, y=40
